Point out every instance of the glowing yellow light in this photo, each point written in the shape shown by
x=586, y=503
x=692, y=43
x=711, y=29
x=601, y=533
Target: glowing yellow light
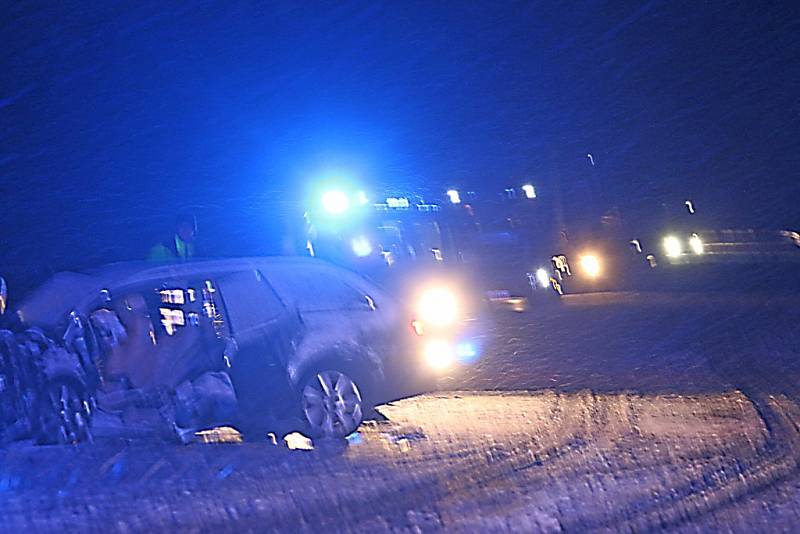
x=590, y=265
x=518, y=305
x=438, y=306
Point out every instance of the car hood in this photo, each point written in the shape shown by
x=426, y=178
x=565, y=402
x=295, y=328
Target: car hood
x=48, y=305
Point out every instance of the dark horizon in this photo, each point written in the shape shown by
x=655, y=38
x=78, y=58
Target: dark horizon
x=113, y=114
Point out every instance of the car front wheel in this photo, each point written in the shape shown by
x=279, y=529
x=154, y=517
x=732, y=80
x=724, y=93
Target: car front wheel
x=332, y=404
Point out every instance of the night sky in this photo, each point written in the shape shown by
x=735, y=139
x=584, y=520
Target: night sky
x=111, y=114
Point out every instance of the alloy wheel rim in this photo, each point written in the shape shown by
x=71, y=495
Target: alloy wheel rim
x=332, y=404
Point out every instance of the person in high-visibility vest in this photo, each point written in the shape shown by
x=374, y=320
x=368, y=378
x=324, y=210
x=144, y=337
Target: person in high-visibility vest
x=181, y=246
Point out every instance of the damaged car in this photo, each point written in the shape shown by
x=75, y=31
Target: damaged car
x=137, y=350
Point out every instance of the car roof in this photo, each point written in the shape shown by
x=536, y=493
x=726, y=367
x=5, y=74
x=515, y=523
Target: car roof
x=48, y=305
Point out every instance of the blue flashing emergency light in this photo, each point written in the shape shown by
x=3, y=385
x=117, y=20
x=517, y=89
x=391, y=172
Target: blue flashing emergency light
x=335, y=202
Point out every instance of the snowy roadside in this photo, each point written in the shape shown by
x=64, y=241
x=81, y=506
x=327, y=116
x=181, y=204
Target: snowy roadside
x=460, y=461
x=636, y=421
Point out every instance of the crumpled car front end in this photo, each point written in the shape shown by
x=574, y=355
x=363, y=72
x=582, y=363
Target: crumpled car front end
x=62, y=385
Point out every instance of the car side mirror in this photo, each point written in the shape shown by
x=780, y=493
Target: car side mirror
x=3, y=295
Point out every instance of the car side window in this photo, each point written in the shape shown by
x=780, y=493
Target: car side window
x=180, y=304
x=318, y=290
x=168, y=306
x=250, y=301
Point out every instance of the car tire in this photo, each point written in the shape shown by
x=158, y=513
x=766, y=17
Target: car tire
x=331, y=403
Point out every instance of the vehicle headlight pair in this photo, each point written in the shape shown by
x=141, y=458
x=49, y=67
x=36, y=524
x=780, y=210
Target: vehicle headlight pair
x=673, y=247
x=439, y=308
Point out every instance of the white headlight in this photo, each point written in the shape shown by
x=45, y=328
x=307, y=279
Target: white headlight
x=542, y=277
x=696, y=244
x=439, y=354
x=672, y=246
x=438, y=306
x=590, y=265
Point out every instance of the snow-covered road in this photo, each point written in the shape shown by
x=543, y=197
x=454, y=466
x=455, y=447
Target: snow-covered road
x=461, y=461
x=615, y=412
x=646, y=343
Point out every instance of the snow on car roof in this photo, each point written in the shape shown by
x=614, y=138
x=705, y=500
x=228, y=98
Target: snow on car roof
x=49, y=304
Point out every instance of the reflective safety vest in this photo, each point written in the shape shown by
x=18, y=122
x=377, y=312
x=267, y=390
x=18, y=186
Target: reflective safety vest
x=175, y=249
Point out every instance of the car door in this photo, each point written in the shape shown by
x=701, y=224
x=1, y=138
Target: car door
x=161, y=331
x=340, y=319
x=265, y=330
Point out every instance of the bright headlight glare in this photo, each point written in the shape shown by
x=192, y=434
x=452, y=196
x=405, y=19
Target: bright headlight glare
x=696, y=244
x=672, y=246
x=590, y=265
x=542, y=277
x=438, y=306
x=439, y=354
